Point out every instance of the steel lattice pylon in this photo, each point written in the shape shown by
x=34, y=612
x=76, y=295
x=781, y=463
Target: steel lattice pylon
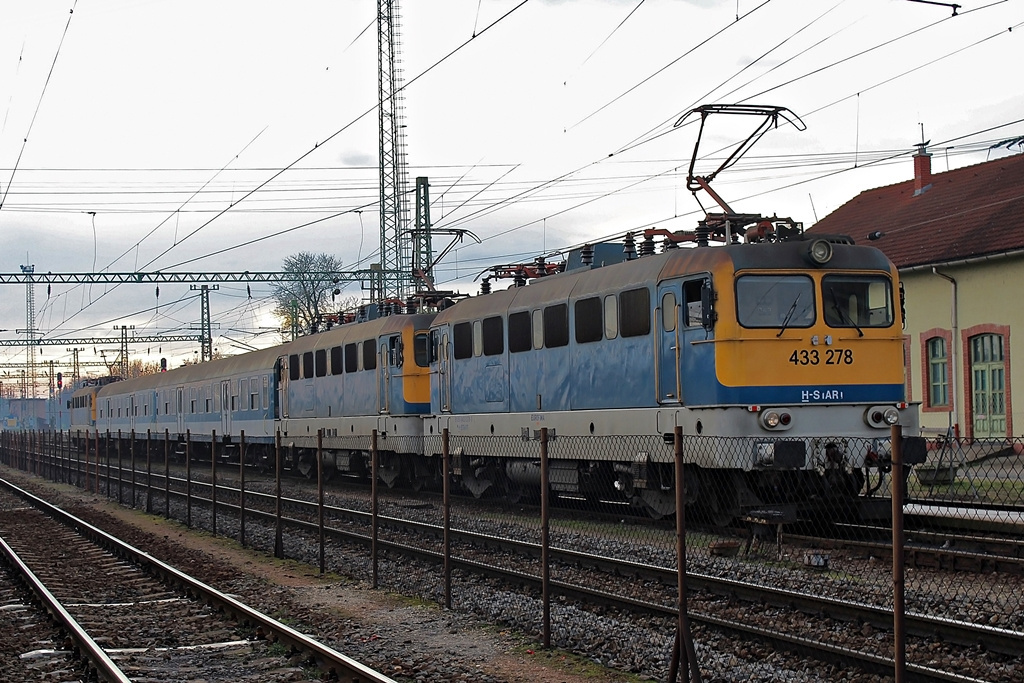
x=29, y=387
x=395, y=279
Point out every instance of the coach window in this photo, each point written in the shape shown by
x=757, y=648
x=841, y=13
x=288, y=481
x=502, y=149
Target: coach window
x=395, y=355
x=307, y=365
x=938, y=372
x=857, y=300
x=462, y=341
x=369, y=355
x=635, y=312
x=519, y=332
x=421, y=349
x=435, y=345
x=254, y=393
x=692, y=302
x=351, y=357
x=293, y=367
x=556, y=326
x=611, y=317
x=777, y=301
x=668, y=311
x=337, y=364
x=320, y=362
x=493, y=336
x=538, y=329
x=266, y=392
x=589, y=325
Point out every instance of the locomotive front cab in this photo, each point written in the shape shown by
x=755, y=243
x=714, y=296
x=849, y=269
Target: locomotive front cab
x=789, y=334
x=809, y=368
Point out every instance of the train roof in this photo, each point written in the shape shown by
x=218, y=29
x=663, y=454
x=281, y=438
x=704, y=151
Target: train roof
x=644, y=271
x=264, y=359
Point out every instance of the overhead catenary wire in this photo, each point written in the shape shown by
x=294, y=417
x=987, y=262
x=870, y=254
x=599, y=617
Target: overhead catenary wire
x=39, y=103
x=474, y=202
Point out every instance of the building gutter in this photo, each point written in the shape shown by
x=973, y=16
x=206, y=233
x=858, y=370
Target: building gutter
x=961, y=262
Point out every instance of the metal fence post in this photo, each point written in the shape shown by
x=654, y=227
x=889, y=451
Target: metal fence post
x=213, y=481
x=241, y=488
x=320, y=495
x=898, y=559
x=188, y=478
x=149, y=472
x=120, y=471
x=446, y=502
x=78, y=457
x=684, y=639
x=106, y=463
x=167, y=474
x=374, y=465
x=96, y=452
x=131, y=446
x=278, y=541
x=545, y=565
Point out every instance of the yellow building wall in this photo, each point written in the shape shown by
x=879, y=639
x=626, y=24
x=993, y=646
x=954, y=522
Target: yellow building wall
x=988, y=293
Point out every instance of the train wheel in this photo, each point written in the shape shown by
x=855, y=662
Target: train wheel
x=307, y=467
x=658, y=504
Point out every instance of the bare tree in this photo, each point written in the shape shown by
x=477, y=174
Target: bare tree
x=304, y=305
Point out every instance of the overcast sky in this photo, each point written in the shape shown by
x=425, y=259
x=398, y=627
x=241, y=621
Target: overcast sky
x=133, y=133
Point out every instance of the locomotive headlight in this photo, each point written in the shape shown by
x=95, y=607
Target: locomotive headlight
x=819, y=252
x=776, y=419
x=882, y=416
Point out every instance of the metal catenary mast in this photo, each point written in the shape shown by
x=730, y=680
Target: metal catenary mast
x=396, y=243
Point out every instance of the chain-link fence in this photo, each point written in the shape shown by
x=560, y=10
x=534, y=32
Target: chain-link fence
x=812, y=517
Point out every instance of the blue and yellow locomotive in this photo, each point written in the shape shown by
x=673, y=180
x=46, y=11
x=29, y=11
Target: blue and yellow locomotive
x=780, y=359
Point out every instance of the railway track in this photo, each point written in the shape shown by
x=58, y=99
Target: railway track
x=581, y=574
x=133, y=617
x=475, y=552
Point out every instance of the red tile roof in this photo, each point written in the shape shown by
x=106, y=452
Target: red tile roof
x=964, y=213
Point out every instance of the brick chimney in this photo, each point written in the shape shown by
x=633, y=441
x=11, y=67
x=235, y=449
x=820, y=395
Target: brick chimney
x=922, y=170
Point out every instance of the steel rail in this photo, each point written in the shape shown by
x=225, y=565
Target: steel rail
x=103, y=665
x=337, y=663
x=963, y=633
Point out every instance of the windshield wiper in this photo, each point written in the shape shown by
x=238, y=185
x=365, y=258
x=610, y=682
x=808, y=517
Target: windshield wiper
x=842, y=313
x=789, y=314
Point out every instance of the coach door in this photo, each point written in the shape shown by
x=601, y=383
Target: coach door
x=180, y=403
x=383, y=377
x=685, y=319
x=225, y=407
x=444, y=374
x=669, y=350
x=283, y=374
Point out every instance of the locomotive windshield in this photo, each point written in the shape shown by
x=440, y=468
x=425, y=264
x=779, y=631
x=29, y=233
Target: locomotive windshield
x=857, y=301
x=775, y=300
